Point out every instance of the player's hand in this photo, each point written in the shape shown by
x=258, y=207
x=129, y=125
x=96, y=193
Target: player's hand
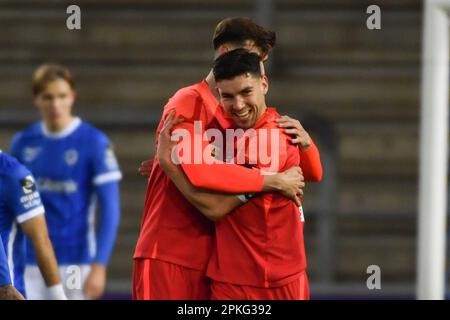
x=165, y=142
x=95, y=282
x=292, y=184
x=294, y=128
x=146, y=167
x=9, y=292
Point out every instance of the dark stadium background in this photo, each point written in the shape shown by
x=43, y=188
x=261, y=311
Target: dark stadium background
x=356, y=90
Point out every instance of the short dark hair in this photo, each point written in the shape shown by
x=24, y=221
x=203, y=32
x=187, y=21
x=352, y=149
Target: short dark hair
x=238, y=30
x=235, y=63
x=50, y=72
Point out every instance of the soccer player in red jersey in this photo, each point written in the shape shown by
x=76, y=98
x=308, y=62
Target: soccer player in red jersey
x=175, y=240
x=259, y=248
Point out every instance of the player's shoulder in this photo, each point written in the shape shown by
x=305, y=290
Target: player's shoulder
x=270, y=123
x=91, y=133
x=30, y=132
x=185, y=100
x=189, y=92
x=11, y=167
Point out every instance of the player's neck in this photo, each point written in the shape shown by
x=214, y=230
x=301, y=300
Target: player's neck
x=55, y=127
x=261, y=113
x=211, y=81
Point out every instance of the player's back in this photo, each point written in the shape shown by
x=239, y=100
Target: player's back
x=67, y=166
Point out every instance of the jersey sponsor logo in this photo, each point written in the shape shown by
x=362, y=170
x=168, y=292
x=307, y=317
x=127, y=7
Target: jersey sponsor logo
x=28, y=185
x=30, y=153
x=48, y=185
x=110, y=158
x=71, y=157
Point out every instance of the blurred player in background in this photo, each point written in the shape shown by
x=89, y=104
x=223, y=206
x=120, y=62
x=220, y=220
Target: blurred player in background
x=175, y=240
x=259, y=249
x=21, y=212
x=75, y=167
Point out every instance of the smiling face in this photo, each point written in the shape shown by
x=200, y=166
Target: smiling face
x=243, y=98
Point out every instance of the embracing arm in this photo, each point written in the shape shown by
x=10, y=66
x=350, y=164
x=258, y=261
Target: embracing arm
x=216, y=205
x=311, y=164
x=309, y=154
x=213, y=205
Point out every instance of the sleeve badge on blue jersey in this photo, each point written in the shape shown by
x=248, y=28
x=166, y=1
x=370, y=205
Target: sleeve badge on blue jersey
x=28, y=185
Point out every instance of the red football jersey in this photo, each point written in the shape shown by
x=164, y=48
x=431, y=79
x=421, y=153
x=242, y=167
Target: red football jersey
x=172, y=229
x=261, y=243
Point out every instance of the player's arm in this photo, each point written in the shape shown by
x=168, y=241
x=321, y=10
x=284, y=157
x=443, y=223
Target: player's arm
x=309, y=153
x=107, y=191
x=216, y=175
x=311, y=164
x=212, y=204
x=219, y=176
x=7, y=290
x=36, y=230
x=215, y=205
x=25, y=202
x=109, y=218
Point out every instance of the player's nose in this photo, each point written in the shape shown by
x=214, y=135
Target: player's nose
x=239, y=104
x=58, y=104
x=53, y=104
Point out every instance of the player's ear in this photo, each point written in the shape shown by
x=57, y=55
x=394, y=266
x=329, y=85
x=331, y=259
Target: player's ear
x=265, y=83
x=262, y=68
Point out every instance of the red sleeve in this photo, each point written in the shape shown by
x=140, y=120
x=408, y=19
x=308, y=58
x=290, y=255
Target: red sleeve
x=217, y=176
x=311, y=164
x=230, y=178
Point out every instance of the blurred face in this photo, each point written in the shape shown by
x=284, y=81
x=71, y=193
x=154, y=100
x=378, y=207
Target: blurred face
x=55, y=104
x=243, y=98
